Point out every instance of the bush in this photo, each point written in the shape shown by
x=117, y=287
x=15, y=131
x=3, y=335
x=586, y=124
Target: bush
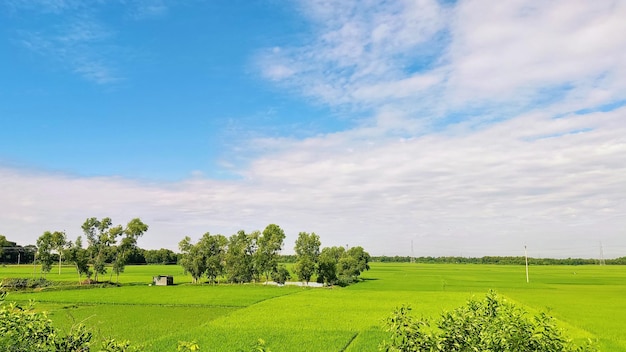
x=25, y=329
x=489, y=325
x=281, y=275
x=25, y=283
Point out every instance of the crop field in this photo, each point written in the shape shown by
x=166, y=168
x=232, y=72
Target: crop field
x=588, y=301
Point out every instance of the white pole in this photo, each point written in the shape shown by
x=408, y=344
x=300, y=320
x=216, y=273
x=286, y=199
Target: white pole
x=526, y=256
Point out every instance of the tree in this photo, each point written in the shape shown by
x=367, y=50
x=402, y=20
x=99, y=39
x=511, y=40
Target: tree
x=240, y=257
x=269, y=244
x=192, y=260
x=214, y=249
x=492, y=324
x=5, y=243
x=205, y=257
x=160, y=256
x=134, y=229
x=44, y=252
x=58, y=243
x=281, y=274
x=361, y=257
x=75, y=253
x=100, y=236
x=353, y=263
x=307, y=252
x=327, y=264
x=10, y=252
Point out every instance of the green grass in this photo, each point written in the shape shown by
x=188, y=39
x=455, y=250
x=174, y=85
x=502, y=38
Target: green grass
x=588, y=302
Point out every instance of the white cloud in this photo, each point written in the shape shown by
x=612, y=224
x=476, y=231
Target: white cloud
x=519, y=47
x=357, y=44
x=487, y=192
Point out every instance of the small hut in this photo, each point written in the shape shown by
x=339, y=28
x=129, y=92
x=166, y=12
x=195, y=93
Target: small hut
x=163, y=280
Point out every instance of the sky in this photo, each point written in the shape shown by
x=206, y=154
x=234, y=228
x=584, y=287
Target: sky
x=425, y=127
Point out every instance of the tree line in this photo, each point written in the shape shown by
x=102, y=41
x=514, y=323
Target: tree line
x=106, y=244
x=240, y=258
x=254, y=257
x=506, y=260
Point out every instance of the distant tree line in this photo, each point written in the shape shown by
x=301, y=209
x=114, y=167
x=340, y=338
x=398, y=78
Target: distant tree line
x=510, y=260
x=254, y=257
x=12, y=253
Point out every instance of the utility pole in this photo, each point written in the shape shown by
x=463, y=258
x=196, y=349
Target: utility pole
x=602, y=261
x=526, y=256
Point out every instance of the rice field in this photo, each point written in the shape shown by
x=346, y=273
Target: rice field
x=588, y=302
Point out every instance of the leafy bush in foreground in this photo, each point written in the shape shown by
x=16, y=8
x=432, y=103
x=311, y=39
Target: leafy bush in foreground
x=489, y=325
x=25, y=329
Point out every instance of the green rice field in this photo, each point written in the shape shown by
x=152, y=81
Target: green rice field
x=588, y=301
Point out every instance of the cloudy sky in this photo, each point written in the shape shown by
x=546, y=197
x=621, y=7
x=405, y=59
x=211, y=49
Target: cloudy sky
x=464, y=127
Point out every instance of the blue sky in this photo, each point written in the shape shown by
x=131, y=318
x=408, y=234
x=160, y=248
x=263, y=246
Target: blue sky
x=466, y=127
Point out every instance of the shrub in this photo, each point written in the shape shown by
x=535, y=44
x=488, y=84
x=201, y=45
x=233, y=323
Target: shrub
x=489, y=325
x=281, y=275
x=25, y=283
x=25, y=329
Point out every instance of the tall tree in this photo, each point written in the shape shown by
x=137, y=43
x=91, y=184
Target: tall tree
x=352, y=264
x=269, y=245
x=44, y=252
x=192, y=259
x=361, y=257
x=100, y=236
x=213, y=247
x=240, y=257
x=327, y=264
x=58, y=243
x=134, y=229
x=307, y=252
x=75, y=253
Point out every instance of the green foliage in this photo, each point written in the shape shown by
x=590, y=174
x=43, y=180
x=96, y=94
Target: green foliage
x=337, y=266
x=102, y=238
x=76, y=254
x=25, y=329
x=281, y=274
x=307, y=251
x=160, y=256
x=500, y=260
x=327, y=264
x=270, y=242
x=134, y=229
x=112, y=345
x=240, y=266
x=260, y=346
x=186, y=346
x=489, y=325
x=22, y=328
x=18, y=283
x=203, y=258
x=44, y=251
